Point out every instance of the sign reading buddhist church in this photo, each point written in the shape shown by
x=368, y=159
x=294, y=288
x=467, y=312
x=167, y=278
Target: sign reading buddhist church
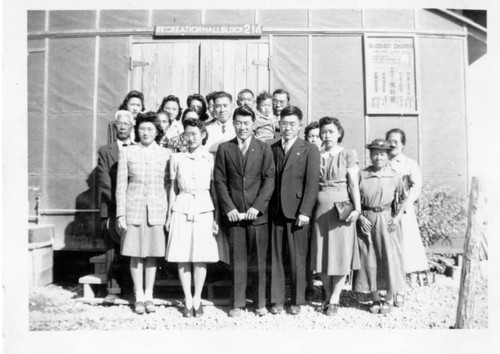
x=243, y=30
x=390, y=75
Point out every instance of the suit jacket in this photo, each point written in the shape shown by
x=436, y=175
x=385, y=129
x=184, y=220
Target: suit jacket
x=296, y=179
x=107, y=168
x=142, y=182
x=242, y=186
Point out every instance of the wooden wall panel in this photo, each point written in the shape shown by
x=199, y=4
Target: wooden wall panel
x=206, y=67
x=252, y=69
x=150, y=76
x=263, y=70
x=229, y=79
x=180, y=70
x=193, y=69
x=217, y=79
x=240, y=66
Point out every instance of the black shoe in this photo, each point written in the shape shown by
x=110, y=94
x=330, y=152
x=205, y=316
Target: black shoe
x=199, y=312
x=294, y=310
x=187, y=312
x=277, y=309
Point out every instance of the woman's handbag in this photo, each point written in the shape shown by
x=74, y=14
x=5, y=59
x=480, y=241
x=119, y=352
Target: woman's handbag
x=343, y=209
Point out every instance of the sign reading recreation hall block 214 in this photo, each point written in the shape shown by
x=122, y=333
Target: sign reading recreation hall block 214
x=243, y=30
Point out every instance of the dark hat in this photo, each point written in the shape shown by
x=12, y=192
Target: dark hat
x=380, y=144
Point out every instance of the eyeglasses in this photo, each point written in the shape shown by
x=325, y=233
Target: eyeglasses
x=122, y=124
x=290, y=124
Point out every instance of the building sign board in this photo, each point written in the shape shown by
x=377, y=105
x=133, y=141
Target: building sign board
x=390, y=75
x=243, y=30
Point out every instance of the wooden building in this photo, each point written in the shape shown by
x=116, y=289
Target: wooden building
x=374, y=69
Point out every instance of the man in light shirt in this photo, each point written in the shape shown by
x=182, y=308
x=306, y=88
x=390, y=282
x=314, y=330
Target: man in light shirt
x=107, y=165
x=221, y=128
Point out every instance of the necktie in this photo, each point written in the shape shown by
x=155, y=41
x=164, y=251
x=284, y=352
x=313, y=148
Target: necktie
x=243, y=147
x=285, y=146
x=223, y=129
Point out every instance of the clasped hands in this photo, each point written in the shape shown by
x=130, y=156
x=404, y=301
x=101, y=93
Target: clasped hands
x=235, y=216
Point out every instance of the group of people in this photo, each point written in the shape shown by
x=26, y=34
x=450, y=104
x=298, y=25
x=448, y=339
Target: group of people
x=237, y=184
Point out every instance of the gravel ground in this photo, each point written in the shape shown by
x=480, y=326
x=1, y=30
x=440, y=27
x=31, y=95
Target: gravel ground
x=434, y=306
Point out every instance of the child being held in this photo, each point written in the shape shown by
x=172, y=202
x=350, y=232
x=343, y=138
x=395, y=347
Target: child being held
x=264, y=123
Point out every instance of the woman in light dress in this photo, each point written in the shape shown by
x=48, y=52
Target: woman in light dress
x=192, y=226
x=413, y=249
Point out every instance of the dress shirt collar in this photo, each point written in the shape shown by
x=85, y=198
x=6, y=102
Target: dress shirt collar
x=385, y=171
x=290, y=142
x=248, y=141
x=331, y=152
x=127, y=141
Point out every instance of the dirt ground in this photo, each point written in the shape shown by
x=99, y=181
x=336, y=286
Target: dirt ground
x=55, y=307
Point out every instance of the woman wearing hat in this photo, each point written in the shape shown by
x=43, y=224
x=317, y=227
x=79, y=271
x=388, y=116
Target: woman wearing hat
x=380, y=240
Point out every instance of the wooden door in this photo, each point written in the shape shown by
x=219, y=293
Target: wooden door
x=234, y=65
x=162, y=69
x=186, y=67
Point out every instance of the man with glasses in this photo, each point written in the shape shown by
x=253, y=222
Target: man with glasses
x=107, y=165
x=291, y=207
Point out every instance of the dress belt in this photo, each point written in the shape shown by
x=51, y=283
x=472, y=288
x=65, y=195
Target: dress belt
x=191, y=216
x=377, y=209
x=333, y=188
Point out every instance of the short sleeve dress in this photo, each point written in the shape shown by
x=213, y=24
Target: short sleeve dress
x=334, y=247
x=191, y=238
x=413, y=249
x=382, y=265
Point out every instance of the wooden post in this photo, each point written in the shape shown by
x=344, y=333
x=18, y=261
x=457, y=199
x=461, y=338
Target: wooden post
x=472, y=255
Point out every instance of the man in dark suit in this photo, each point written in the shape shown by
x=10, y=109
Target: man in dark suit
x=291, y=206
x=107, y=165
x=244, y=181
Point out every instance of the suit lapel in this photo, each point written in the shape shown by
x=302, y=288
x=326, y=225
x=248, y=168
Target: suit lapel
x=235, y=155
x=295, y=151
x=114, y=152
x=252, y=153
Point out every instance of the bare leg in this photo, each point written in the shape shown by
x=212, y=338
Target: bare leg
x=200, y=273
x=388, y=296
x=375, y=296
x=338, y=282
x=185, y=277
x=150, y=265
x=327, y=285
x=136, y=271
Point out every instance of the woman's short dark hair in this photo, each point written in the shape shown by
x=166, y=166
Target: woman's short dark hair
x=244, y=111
x=397, y=131
x=148, y=117
x=171, y=98
x=291, y=111
x=332, y=120
x=264, y=95
x=196, y=96
x=311, y=126
x=130, y=95
x=191, y=122
x=185, y=113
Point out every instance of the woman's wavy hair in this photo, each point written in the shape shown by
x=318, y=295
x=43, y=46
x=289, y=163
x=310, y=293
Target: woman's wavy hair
x=335, y=121
x=130, y=95
x=171, y=98
x=148, y=117
x=203, y=113
x=191, y=122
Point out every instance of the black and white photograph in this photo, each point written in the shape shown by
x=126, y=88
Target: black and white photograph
x=244, y=177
